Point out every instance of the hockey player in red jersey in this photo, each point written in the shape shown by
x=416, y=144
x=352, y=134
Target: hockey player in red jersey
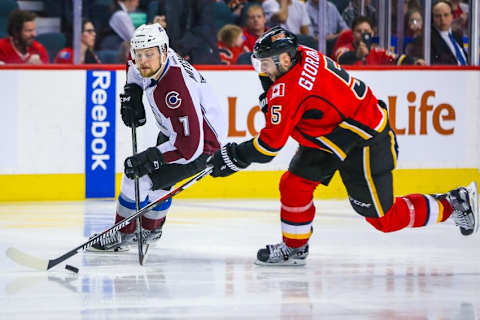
x=339, y=125
x=191, y=125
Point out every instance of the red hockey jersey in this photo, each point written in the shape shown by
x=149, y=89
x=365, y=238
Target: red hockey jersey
x=321, y=106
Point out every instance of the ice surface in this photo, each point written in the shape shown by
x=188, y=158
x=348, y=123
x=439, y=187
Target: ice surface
x=203, y=267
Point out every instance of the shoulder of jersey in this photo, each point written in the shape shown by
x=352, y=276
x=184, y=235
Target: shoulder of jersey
x=309, y=68
x=187, y=69
x=300, y=77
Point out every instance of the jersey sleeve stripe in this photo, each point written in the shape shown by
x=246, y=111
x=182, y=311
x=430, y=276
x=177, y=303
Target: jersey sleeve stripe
x=253, y=151
x=392, y=147
x=383, y=122
x=333, y=147
x=356, y=130
x=259, y=146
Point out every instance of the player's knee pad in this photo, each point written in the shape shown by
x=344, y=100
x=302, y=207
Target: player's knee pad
x=296, y=189
x=363, y=208
x=160, y=211
x=127, y=206
x=128, y=187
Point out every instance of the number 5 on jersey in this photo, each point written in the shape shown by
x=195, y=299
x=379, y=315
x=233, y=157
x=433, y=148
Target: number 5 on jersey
x=276, y=116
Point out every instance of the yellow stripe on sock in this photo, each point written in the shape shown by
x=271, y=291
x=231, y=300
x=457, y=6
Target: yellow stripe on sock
x=297, y=236
x=440, y=211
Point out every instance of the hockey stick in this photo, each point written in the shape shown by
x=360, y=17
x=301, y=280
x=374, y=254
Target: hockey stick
x=137, y=202
x=43, y=264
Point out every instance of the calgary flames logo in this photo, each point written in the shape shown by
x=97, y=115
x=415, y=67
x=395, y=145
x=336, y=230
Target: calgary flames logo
x=278, y=37
x=172, y=100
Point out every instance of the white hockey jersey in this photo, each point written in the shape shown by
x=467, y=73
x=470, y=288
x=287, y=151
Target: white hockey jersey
x=185, y=108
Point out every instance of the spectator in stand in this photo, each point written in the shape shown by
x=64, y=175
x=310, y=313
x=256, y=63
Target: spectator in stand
x=361, y=50
x=20, y=45
x=353, y=10
x=289, y=14
x=460, y=16
x=255, y=25
x=340, y=4
x=191, y=29
x=121, y=26
x=446, y=44
x=120, y=21
x=236, y=7
x=414, y=26
x=408, y=6
x=414, y=34
x=335, y=22
x=231, y=43
x=87, y=45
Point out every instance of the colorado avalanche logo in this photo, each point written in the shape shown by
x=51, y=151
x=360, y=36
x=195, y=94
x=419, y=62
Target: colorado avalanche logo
x=172, y=100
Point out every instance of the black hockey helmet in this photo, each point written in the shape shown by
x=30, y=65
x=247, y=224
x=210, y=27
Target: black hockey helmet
x=270, y=45
x=274, y=42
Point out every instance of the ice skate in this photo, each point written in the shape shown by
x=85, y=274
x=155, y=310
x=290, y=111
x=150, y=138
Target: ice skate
x=464, y=202
x=282, y=255
x=116, y=242
x=150, y=237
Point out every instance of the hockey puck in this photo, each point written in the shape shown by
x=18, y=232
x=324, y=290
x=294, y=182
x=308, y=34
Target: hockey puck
x=71, y=268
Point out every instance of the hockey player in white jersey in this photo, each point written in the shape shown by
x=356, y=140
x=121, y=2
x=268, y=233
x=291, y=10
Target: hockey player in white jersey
x=191, y=125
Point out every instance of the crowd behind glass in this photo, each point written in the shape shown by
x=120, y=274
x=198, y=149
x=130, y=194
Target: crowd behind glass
x=225, y=31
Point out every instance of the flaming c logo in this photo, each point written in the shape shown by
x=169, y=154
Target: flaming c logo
x=278, y=37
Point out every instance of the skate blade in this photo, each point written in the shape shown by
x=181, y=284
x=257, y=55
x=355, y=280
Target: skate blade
x=473, y=198
x=116, y=250
x=288, y=263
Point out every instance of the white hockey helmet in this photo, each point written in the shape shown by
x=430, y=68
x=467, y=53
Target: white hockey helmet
x=149, y=36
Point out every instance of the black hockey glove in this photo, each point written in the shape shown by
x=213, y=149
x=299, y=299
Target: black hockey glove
x=225, y=161
x=143, y=163
x=263, y=102
x=132, y=109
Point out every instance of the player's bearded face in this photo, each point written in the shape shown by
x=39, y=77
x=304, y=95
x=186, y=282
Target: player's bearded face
x=148, y=61
x=270, y=68
x=267, y=66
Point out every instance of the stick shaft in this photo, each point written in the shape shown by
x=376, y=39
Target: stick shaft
x=123, y=223
x=137, y=200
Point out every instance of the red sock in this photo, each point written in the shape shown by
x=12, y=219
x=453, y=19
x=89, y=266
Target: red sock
x=129, y=228
x=297, y=210
x=414, y=210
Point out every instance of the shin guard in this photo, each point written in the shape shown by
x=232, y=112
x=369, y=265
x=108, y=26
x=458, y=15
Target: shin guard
x=298, y=210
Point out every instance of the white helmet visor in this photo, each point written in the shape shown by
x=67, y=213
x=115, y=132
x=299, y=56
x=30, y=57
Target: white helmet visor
x=264, y=65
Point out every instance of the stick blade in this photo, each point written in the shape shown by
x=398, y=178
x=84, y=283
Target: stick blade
x=27, y=260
